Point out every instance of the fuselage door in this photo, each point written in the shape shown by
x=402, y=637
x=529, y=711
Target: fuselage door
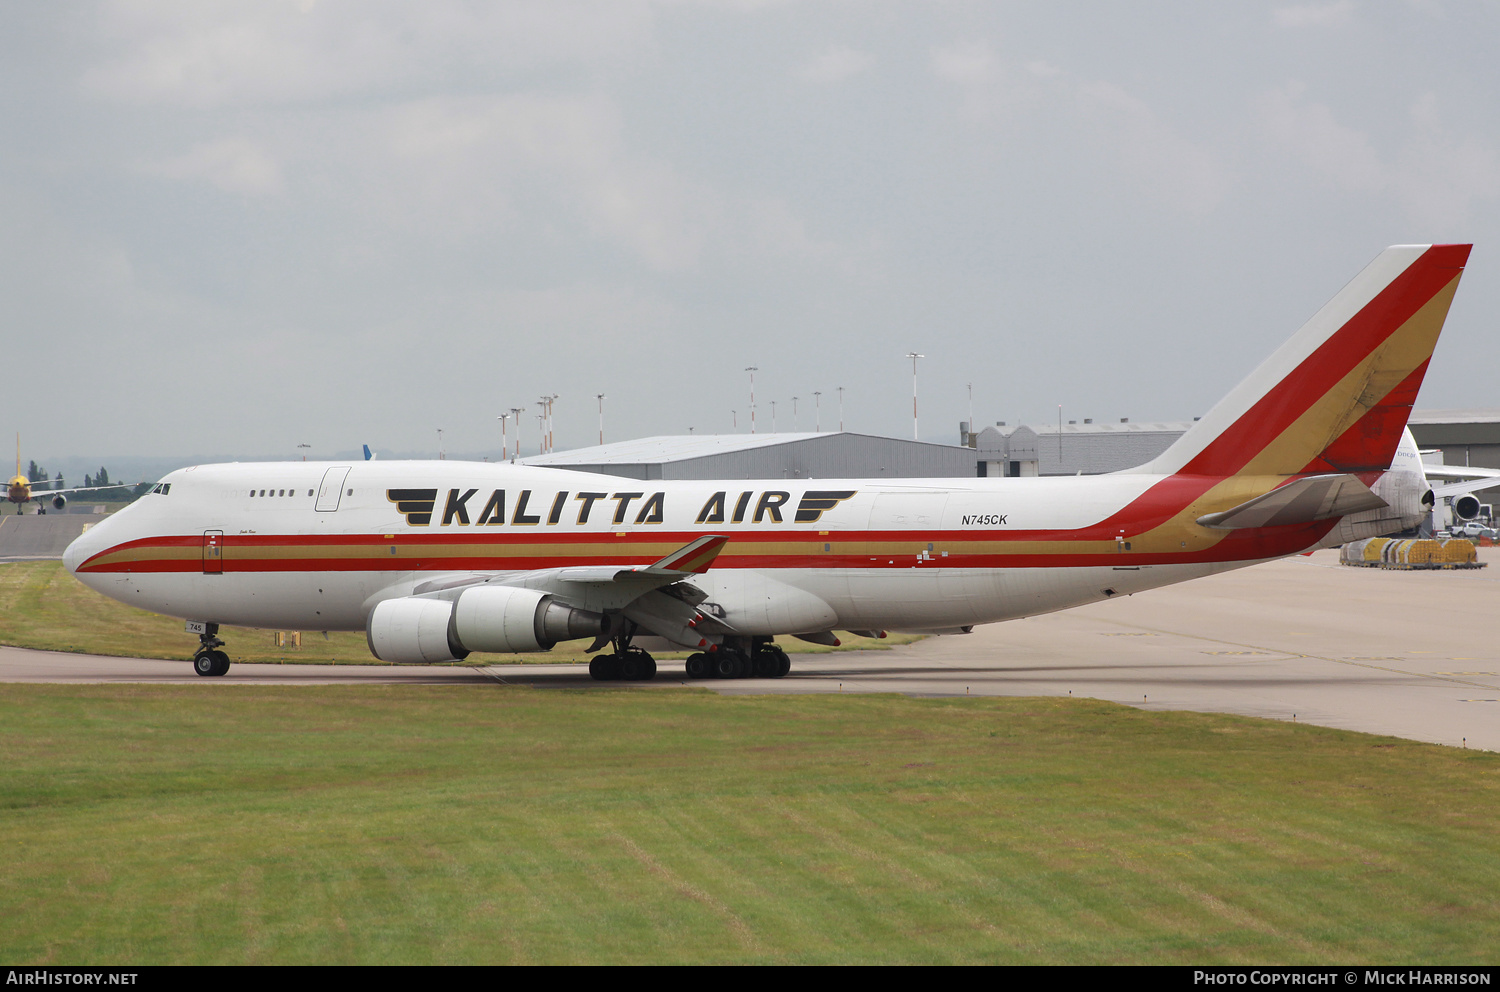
x=332, y=488
x=213, y=552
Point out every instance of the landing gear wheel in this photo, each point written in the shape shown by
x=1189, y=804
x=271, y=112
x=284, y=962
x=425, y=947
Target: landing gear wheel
x=784, y=667
x=637, y=666
x=765, y=664
x=698, y=666
x=605, y=668
x=730, y=664
x=211, y=663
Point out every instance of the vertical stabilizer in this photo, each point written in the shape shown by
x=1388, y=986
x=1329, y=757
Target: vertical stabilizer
x=1335, y=398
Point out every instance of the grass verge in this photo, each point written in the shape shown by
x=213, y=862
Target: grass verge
x=42, y=606
x=493, y=824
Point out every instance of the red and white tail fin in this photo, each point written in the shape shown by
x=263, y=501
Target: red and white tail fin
x=1335, y=398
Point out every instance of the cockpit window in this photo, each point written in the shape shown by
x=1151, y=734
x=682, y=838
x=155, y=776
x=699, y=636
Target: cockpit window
x=161, y=488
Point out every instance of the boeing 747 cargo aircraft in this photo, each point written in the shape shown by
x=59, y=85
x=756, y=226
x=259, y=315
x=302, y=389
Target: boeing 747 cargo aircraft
x=437, y=559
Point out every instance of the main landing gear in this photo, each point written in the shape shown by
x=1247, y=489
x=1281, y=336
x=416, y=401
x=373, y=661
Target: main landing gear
x=209, y=660
x=627, y=664
x=741, y=658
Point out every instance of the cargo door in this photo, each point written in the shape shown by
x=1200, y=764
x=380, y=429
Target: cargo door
x=213, y=552
x=332, y=488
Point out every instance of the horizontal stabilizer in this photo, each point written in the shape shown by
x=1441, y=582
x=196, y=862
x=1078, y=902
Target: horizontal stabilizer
x=1317, y=497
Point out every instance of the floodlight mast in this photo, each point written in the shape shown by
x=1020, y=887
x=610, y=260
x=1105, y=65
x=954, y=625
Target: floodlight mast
x=752, y=370
x=516, y=412
x=818, y=411
x=841, y=409
x=600, y=397
x=914, y=356
x=504, y=438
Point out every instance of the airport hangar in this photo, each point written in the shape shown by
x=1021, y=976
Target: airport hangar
x=1086, y=448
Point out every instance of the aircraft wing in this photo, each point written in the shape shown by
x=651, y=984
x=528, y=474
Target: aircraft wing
x=38, y=494
x=1317, y=497
x=1459, y=472
x=1460, y=488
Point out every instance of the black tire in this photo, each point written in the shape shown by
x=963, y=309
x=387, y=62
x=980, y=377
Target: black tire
x=631, y=667
x=204, y=664
x=697, y=666
x=763, y=663
x=783, y=666
x=648, y=667
x=604, y=668
x=729, y=665
x=221, y=663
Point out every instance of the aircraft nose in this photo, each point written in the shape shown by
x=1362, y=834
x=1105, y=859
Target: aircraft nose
x=73, y=554
x=82, y=547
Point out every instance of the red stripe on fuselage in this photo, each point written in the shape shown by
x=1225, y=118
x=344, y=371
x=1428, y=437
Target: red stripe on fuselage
x=1236, y=546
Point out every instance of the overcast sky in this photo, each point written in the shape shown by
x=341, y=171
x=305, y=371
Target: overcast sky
x=240, y=227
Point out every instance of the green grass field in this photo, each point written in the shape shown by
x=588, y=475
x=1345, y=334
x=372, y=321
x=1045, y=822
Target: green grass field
x=494, y=824
x=42, y=606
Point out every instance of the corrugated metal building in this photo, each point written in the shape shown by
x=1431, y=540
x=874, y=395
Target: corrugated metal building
x=829, y=455
x=1466, y=437
x=1087, y=448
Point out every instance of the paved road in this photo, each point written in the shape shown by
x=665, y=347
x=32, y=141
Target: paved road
x=39, y=536
x=1411, y=654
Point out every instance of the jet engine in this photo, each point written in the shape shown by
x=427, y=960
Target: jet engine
x=1465, y=507
x=500, y=619
x=58, y=502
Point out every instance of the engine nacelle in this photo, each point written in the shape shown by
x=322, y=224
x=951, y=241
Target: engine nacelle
x=1465, y=507
x=58, y=502
x=499, y=619
x=413, y=631
x=507, y=619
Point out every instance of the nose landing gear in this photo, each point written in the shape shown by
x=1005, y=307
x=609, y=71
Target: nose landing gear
x=208, y=659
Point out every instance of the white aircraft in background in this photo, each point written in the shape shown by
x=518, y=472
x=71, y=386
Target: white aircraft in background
x=1460, y=495
x=437, y=559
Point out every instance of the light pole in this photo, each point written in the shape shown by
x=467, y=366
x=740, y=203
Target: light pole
x=504, y=438
x=516, y=412
x=914, y=356
x=841, y=409
x=794, y=413
x=818, y=411
x=773, y=416
x=600, y=397
x=752, y=370
x=441, y=455
x=541, y=426
x=304, y=453
x=550, y=422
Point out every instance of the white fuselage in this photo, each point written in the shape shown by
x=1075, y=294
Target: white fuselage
x=916, y=554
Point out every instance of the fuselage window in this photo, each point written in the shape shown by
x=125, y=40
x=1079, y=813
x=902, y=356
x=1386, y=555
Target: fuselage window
x=309, y=492
x=282, y=493
x=262, y=492
x=252, y=494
